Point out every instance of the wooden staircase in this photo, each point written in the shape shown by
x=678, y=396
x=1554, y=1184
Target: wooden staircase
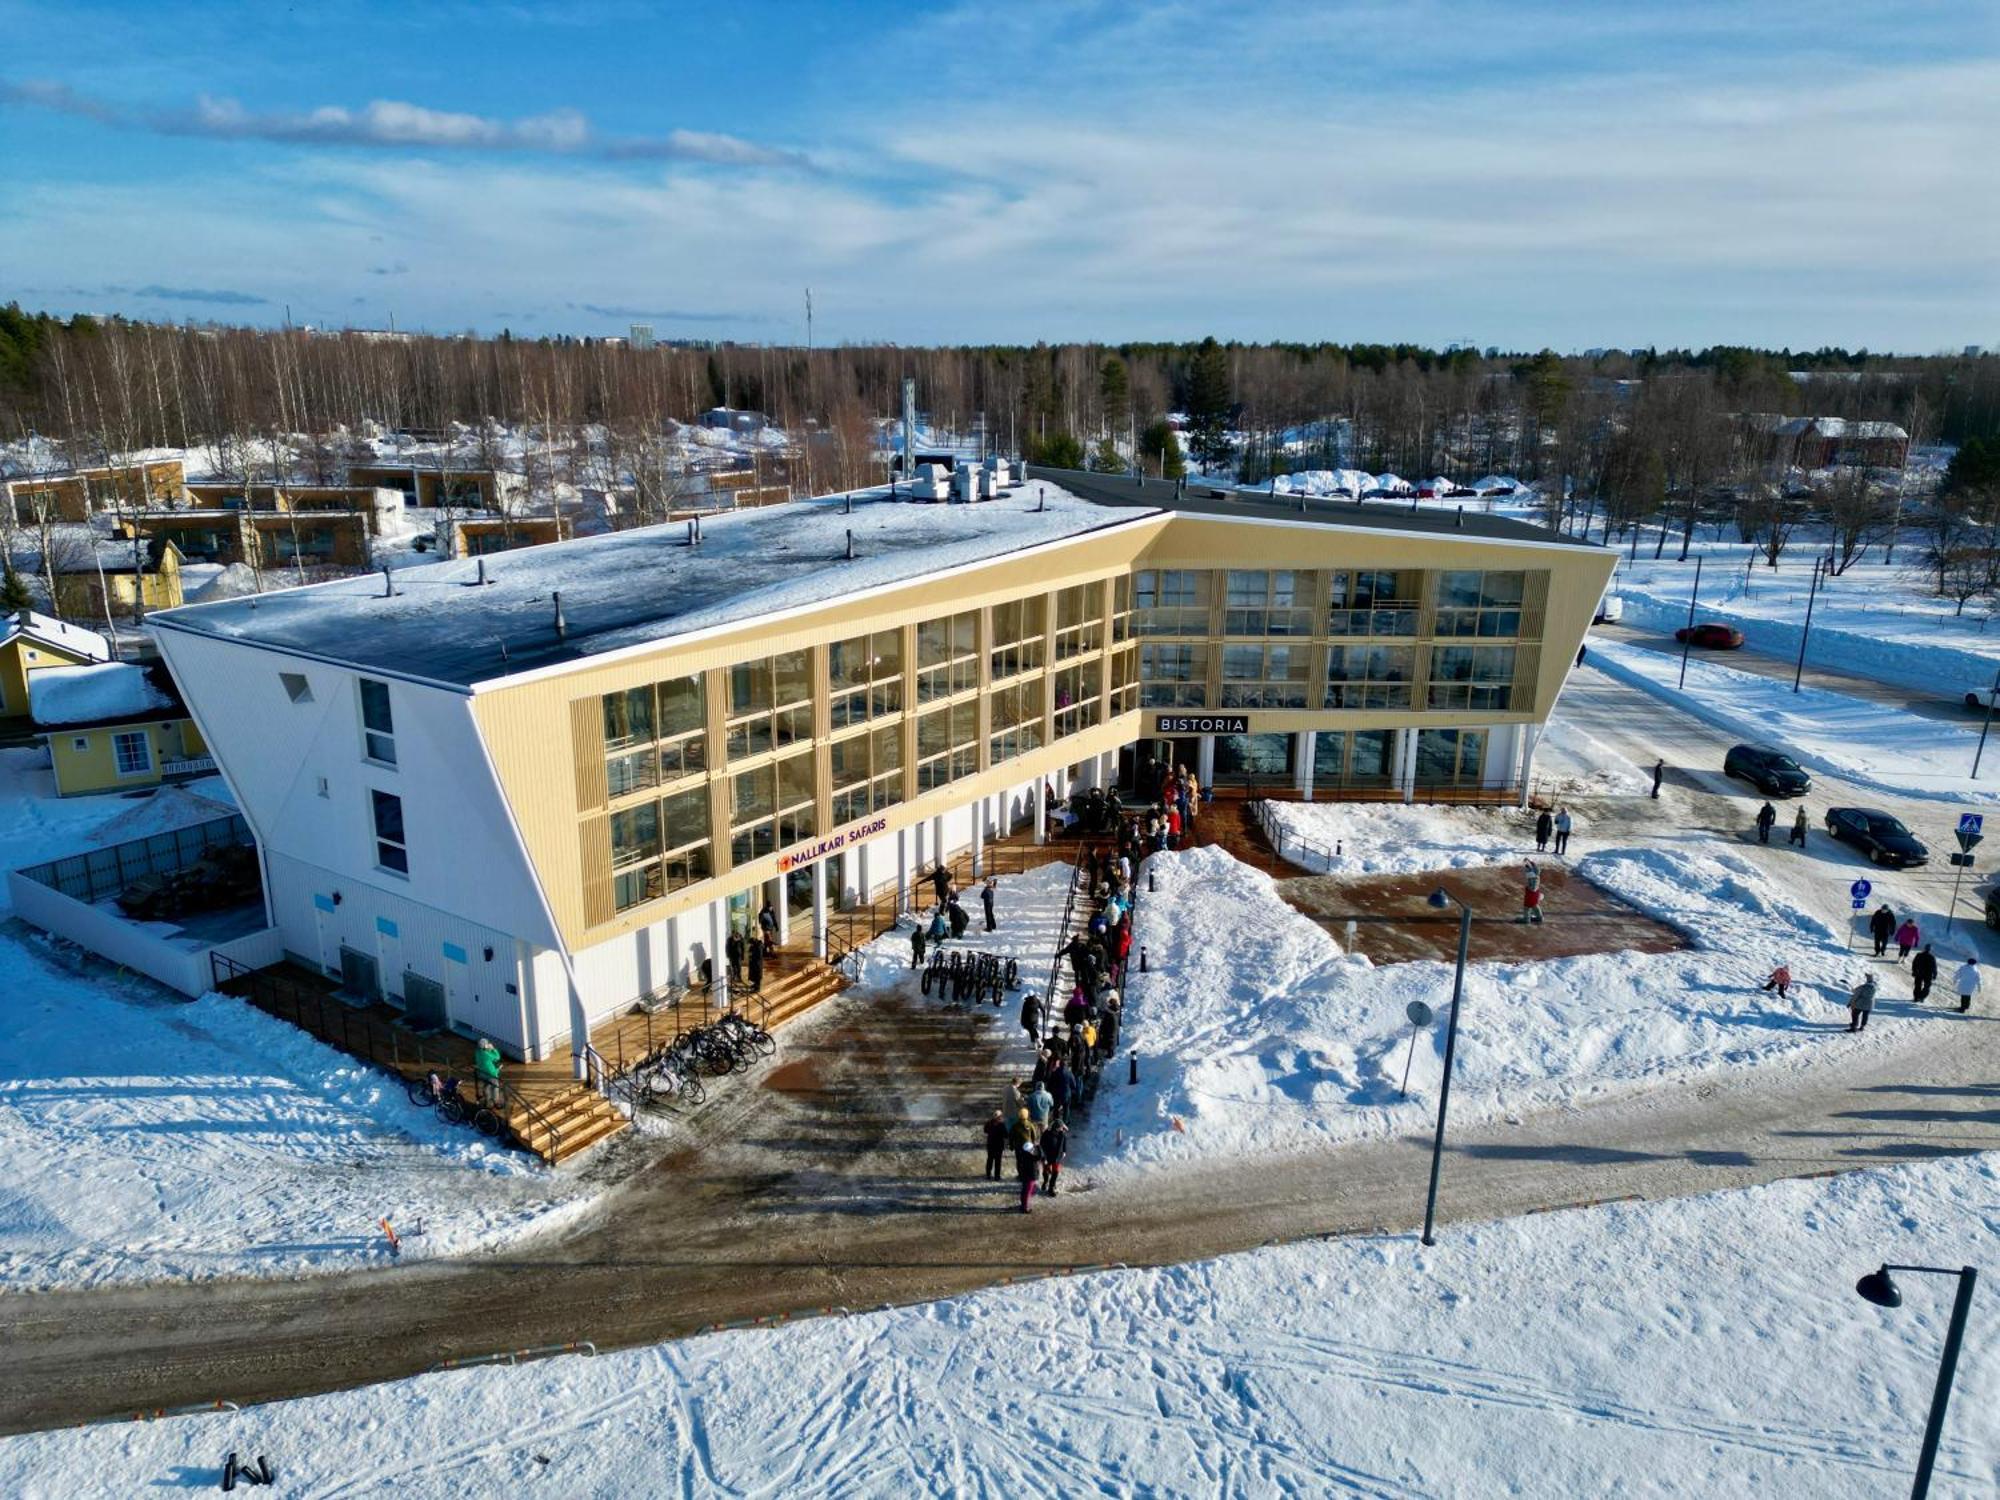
x=794, y=983
x=565, y=1121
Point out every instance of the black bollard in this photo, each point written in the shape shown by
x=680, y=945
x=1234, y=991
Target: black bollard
x=1135, y=1066
x=1142, y=960
x=1152, y=880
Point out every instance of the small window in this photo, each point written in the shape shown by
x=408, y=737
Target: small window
x=378, y=724
x=391, y=853
x=297, y=688
x=134, y=753
x=79, y=743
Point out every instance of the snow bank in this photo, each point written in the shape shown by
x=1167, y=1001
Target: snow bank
x=1700, y=1346
x=146, y=1139
x=85, y=695
x=1874, y=744
x=231, y=582
x=169, y=808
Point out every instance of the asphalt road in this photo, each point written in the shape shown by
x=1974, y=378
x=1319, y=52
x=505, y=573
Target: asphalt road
x=850, y=1178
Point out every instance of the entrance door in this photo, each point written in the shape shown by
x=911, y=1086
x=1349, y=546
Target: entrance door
x=423, y=1001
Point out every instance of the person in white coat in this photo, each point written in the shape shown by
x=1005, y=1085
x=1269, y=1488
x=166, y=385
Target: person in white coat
x=1966, y=982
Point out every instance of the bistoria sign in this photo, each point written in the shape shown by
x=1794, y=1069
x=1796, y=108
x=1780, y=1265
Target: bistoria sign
x=1201, y=724
x=832, y=843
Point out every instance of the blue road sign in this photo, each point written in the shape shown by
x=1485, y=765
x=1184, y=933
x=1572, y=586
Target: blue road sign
x=1859, y=890
x=1970, y=822
x=1860, y=902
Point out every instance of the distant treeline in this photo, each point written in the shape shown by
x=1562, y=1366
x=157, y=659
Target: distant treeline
x=106, y=386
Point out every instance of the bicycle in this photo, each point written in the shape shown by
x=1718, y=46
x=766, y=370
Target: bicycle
x=442, y=1094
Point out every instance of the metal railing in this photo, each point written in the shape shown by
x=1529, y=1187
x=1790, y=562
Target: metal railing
x=372, y=1039
x=93, y=875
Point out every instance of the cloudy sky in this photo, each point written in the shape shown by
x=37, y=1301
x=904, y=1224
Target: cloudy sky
x=1521, y=173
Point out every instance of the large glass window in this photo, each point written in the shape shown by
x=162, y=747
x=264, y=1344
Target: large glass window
x=1447, y=757
x=1076, y=689
x=1264, y=676
x=1472, y=677
x=656, y=734
x=865, y=675
x=1079, y=620
x=1124, y=679
x=867, y=771
x=1373, y=601
x=378, y=723
x=947, y=745
x=1121, y=607
x=1173, y=676
x=1471, y=603
x=659, y=847
x=133, y=752
x=1018, y=627
x=947, y=657
x=1356, y=757
x=771, y=807
x=1369, y=676
x=770, y=704
x=392, y=850
x=1016, y=718
x=1171, y=601
x=1273, y=603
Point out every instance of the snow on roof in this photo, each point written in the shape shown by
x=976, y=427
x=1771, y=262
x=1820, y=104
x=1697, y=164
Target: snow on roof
x=95, y=694
x=631, y=588
x=169, y=808
x=57, y=634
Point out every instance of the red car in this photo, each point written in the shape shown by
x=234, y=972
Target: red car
x=1714, y=635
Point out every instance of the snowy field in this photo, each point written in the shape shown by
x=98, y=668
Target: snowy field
x=144, y=1138
x=1519, y=1358
x=1873, y=744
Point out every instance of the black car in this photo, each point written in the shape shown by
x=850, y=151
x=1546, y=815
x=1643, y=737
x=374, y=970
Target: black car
x=1772, y=772
x=1882, y=838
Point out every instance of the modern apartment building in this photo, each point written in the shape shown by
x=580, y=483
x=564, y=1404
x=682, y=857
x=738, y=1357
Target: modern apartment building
x=519, y=792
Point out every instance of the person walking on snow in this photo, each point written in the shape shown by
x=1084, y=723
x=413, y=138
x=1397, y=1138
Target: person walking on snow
x=996, y=1144
x=1564, y=823
x=486, y=1070
x=1031, y=1018
x=1041, y=1104
x=1966, y=983
x=941, y=883
x=917, y=945
x=1544, y=826
x=1766, y=816
x=1861, y=1004
x=1882, y=927
x=1923, y=974
x=1780, y=980
x=986, y=893
x=1027, y=1156
x=1799, y=826
x=1054, y=1146
x=1531, y=894
x=939, y=925
x=1907, y=938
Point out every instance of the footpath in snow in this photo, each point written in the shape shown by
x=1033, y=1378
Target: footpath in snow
x=146, y=1138
x=1704, y=1346
x=1873, y=744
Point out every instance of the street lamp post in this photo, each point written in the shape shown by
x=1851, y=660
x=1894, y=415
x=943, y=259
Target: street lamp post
x=1441, y=898
x=1687, y=639
x=1880, y=1288
x=1806, y=634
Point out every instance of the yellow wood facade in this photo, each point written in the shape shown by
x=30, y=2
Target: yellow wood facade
x=84, y=594
x=90, y=758
x=545, y=734
x=21, y=655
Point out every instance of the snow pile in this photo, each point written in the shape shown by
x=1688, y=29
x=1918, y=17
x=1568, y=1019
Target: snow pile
x=1875, y=744
x=1699, y=1346
x=169, y=808
x=1351, y=483
x=90, y=694
x=230, y=582
x=1258, y=1034
x=142, y=1139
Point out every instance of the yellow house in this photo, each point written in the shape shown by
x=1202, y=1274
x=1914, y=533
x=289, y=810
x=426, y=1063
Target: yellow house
x=83, y=584
x=113, y=727
x=31, y=642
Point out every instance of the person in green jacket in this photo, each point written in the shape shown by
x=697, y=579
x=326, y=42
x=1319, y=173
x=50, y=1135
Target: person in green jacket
x=486, y=1068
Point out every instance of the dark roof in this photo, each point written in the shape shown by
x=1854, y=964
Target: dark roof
x=1220, y=499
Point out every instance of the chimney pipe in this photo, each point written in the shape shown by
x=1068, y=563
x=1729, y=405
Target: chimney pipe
x=1413, y=503
x=388, y=583
x=690, y=531
x=562, y=625
x=1461, y=518
x=503, y=647
x=482, y=572
x=850, y=546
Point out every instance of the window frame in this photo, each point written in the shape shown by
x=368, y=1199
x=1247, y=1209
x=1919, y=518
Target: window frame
x=385, y=842
x=371, y=751
x=119, y=740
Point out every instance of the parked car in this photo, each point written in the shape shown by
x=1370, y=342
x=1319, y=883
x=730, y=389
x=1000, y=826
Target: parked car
x=1714, y=635
x=1772, y=772
x=1993, y=906
x=1882, y=838
x=1978, y=702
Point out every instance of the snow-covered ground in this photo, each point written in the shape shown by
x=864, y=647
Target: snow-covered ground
x=1703, y=1346
x=1874, y=744
x=144, y=1138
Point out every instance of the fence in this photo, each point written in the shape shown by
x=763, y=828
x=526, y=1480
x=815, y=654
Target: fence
x=97, y=873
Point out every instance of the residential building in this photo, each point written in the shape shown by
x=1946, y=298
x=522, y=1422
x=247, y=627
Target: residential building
x=528, y=796
x=76, y=494
x=115, y=727
x=479, y=536
x=380, y=504
x=30, y=643
x=263, y=539
x=432, y=486
x=732, y=419
x=104, y=578
x=1827, y=442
